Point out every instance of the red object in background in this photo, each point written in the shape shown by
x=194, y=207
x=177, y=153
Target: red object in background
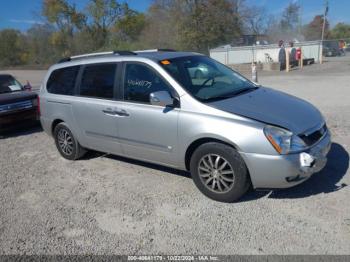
x=28, y=86
x=298, y=54
x=38, y=107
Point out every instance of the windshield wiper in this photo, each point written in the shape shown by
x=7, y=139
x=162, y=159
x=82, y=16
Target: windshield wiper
x=229, y=95
x=211, y=99
x=244, y=90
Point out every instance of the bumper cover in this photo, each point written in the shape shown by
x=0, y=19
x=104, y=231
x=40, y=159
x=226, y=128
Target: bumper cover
x=18, y=118
x=283, y=171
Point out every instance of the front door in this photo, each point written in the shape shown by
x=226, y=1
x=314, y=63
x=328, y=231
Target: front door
x=146, y=131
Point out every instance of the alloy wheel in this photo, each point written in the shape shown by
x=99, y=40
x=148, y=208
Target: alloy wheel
x=216, y=173
x=65, y=141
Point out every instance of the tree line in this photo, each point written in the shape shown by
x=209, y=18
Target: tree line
x=195, y=25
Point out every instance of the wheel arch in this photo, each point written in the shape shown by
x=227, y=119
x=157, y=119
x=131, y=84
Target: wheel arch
x=200, y=141
x=54, y=124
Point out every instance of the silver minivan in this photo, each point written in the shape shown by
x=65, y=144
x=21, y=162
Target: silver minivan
x=230, y=133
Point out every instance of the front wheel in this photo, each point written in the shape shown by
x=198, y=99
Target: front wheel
x=219, y=172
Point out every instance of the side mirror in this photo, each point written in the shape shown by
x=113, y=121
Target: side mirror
x=161, y=98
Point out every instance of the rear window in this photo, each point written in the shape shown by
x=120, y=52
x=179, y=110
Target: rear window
x=98, y=81
x=62, y=81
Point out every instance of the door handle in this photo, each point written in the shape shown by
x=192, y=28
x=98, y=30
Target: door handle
x=109, y=111
x=117, y=112
x=121, y=112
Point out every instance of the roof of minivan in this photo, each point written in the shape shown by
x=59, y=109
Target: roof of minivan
x=164, y=55
x=153, y=55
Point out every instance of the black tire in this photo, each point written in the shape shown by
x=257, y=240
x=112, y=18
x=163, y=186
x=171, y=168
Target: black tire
x=75, y=151
x=240, y=177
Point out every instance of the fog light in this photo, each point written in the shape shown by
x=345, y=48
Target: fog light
x=306, y=160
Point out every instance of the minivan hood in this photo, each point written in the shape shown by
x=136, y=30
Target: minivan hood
x=273, y=107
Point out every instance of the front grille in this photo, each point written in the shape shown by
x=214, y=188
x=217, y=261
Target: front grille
x=315, y=136
x=16, y=106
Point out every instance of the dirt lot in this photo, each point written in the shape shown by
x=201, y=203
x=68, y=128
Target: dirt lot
x=110, y=205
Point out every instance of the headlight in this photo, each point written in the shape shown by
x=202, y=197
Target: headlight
x=283, y=140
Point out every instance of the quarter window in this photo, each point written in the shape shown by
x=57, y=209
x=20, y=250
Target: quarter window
x=62, y=81
x=140, y=81
x=98, y=81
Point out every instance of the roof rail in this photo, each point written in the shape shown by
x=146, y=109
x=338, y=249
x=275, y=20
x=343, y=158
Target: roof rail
x=91, y=54
x=155, y=50
x=117, y=52
x=124, y=52
x=65, y=59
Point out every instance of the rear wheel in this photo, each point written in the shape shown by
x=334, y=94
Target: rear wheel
x=66, y=144
x=219, y=172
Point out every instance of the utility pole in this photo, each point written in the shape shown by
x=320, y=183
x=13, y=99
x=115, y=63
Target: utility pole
x=323, y=29
x=300, y=19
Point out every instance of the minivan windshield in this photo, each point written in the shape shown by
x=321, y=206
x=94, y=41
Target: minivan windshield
x=206, y=79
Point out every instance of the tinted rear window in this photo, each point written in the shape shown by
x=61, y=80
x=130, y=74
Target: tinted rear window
x=98, y=81
x=62, y=81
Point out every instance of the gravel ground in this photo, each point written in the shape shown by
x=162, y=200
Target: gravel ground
x=104, y=204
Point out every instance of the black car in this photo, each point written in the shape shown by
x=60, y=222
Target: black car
x=331, y=48
x=330, y=51
x=18, y=104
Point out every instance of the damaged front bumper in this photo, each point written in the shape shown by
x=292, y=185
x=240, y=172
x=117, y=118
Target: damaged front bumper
x=282, y=171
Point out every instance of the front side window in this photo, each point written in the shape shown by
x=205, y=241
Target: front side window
x=62, y=81
x=205, y=78
x=140, y=81
x=98, y=81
